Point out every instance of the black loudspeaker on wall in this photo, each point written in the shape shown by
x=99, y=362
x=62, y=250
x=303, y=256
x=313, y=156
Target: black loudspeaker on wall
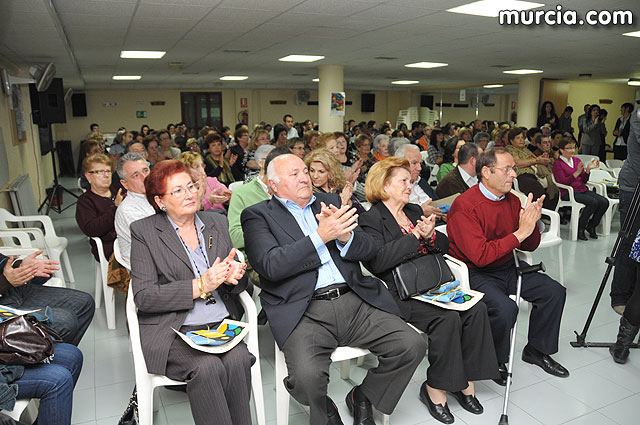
x=368, y=102
x=79, y=105
x=47, y=107
x=426, y=101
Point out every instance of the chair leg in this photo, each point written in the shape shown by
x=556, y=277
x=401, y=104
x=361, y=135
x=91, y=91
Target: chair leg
x=345, y=367
x=561, y=264
x=385, y=419
x=282, y=396
x=145, y=404
x=110, y=306
x=575, y=217
x=98, y=292
x=67, y=266
x=258, y=398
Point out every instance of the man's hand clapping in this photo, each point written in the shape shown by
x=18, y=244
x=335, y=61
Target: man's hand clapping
x=336, y=223
x=529, y=217
x=29, y=268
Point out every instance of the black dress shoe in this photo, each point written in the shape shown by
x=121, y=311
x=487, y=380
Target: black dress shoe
x=532, y=356
x=592, y=232
x=360, y=410
x=582, y=236
x=469, y=402
x=502, y=368
x=333, y=416
x=438, y=411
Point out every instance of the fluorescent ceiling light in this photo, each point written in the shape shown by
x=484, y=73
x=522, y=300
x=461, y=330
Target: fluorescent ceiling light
x=301, y=58
x=634, y=82
x=405, y=82
x=425, y=65
x=523, y=71
x=632, y=34
x=141, y=54
x=126, y=77
x=493, y=86
x=490, y=8
x=316, y=80
x=234, y=77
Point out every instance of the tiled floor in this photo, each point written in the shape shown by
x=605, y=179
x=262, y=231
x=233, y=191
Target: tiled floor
x=599, y=392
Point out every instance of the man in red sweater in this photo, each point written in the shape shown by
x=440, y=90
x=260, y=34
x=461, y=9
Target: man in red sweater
x=486, y=223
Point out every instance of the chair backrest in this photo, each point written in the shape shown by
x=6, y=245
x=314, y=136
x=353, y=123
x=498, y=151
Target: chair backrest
x=104, y=262
x=425, y=157
x=5, y=218
x=235, y=185
x=15, y=238
x=134, y=333
x=586, y=159
x=597, y=176
x=614, y=163
x=118, y=255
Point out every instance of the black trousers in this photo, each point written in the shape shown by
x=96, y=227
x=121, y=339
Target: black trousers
x=632, y=312
x=349, y=321
x=625, y=274
x=619, y=152
x=460, y=344
x=528, y=183
x=595, y=207
x=218, y=385
x=546, y=294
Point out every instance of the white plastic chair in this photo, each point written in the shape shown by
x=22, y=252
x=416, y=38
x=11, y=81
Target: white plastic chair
x=102, y=269
x=433, y=177
x=345, y=354
x=614, y=163
x=616, y=172
x=596, y=178
x=55, y=245
x=235, y=185
x=25, y=409
x=146, y=382
x=20, y=253
x=575, y=206
x=118, y=255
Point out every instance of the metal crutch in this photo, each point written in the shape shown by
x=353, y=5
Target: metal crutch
x=520, y=271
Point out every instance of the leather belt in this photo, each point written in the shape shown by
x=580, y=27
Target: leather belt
x=332, y=293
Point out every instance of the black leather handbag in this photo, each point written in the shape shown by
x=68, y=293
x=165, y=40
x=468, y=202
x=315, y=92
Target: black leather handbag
x=24, y=341
x=421, y=274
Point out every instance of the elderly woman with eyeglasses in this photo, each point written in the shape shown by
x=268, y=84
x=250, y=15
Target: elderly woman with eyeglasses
x=185, y=276
x=96, y=208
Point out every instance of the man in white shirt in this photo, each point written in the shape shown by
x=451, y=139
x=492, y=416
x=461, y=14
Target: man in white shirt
x=421, y=193
x=288, y=122
x=464, y=175
x=133, y=170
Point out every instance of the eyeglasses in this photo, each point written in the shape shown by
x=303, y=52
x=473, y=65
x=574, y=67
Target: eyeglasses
x=103, y=172
x=506, y=169
x=181, y=192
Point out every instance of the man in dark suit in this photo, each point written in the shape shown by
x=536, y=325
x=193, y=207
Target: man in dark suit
x=621, y=131
x=307, y=250
x=463, y=176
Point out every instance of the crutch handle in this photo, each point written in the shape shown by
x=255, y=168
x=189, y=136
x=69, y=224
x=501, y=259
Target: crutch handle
x=531, y=269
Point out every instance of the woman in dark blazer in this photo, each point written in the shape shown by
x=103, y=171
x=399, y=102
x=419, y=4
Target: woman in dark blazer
x=460, y=343
x=175, y=266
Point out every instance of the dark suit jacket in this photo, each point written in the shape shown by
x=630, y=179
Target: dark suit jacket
x=288, y=263
x=451, y=184
x=392, y=247
x=161, y=276
x=424, y=185
x=624, y=132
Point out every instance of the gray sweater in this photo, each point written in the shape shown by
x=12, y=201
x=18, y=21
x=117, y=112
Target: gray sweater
x=630, y=173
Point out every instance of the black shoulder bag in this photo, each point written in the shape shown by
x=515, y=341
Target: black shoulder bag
x=421, y=274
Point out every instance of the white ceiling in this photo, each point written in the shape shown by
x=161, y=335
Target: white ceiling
x=84, y=39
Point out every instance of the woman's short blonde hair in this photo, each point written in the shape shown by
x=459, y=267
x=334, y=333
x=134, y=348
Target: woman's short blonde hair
x=308, y=135
x=97, y=136
x=336, y=176
x=99, y=158
x=379, y=174
x=252, y=143
x=191, y=141
x=190, y=159
x=323, y=139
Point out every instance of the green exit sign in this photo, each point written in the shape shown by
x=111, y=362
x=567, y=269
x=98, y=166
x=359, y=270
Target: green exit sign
x=141, y=114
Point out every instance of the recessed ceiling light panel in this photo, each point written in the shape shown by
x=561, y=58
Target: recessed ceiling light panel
x=634, y=82
x=233, y=77
x=126, y=77
x=316, y=80
x=426, y=65
x=523, y=71
x=491, y=8
x=632, y=34
x=301, y=58
x=141, y=54
x=405, y=82
x=493, y=86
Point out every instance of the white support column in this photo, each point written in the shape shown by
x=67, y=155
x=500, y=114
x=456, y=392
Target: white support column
x=331, y=80
x=528, y=97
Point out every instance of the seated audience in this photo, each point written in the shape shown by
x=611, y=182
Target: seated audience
x=310, y=140
x=213, y=194
x=435, y=149
x=344, y=156
x=216, y=164
x=395, y=143
x=450, y=157
x=96, y=208
x=280, y=135
x=531, y=179
x=21, y=287
x=481, y=140
x=460, y=345
x=329, y=142
x=327, y=176
x=88, y=148
x=133, y=170
x=380, y=147
x=240, y=148
x=154, y=155
x=464, y=175
x=421, y=192
x=363, y=153
x=173, y=271
x=166, y=148
x=569, y=170
x=193, y=145
x=119, y=143
x=296, y=147
x=486, y=223
x=306, y=249
x=251, y=167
